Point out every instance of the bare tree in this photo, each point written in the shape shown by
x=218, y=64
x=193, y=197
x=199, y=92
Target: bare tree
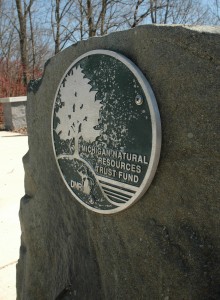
x=7, y=31
x=80, y=17
x=32, y=39
x=9, y=50
x=168, y=12
x=96, y=16
x=23, y=9
x=214, y=8
x=30, y=36
x=149, y=8
x=62, y=22
x=217, y=10
x=38, y=39
x=102, y=16
x=191, y=12
x=24, y=45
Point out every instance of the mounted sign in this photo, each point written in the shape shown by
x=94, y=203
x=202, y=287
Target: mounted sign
x=106, y=131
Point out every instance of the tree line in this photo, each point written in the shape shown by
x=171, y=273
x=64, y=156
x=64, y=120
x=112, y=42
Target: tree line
x=33, y=30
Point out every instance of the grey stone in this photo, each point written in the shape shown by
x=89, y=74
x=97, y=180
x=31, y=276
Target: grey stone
x=14, y=113
x=167, y=245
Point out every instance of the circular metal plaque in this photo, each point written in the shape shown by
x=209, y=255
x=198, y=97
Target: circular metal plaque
x=106, y=131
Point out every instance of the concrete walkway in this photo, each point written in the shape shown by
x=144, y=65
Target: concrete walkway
x=12, y=148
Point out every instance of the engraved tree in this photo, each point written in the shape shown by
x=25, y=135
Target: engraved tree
x=78, y=110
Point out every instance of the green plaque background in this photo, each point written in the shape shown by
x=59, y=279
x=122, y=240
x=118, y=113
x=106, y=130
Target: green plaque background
x=106, y=131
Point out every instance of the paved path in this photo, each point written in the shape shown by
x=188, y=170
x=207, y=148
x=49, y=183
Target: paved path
x=12, y=149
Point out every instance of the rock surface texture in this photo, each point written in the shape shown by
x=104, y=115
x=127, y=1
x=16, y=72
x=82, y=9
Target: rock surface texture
x=167, y=245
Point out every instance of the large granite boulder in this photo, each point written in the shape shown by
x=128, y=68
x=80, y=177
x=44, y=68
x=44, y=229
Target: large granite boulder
x=166, y=246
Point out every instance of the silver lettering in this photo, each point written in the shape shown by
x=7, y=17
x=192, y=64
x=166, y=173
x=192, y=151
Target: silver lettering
x=134, y=157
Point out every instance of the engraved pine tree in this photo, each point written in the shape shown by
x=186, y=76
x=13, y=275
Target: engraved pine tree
x=79, y=114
